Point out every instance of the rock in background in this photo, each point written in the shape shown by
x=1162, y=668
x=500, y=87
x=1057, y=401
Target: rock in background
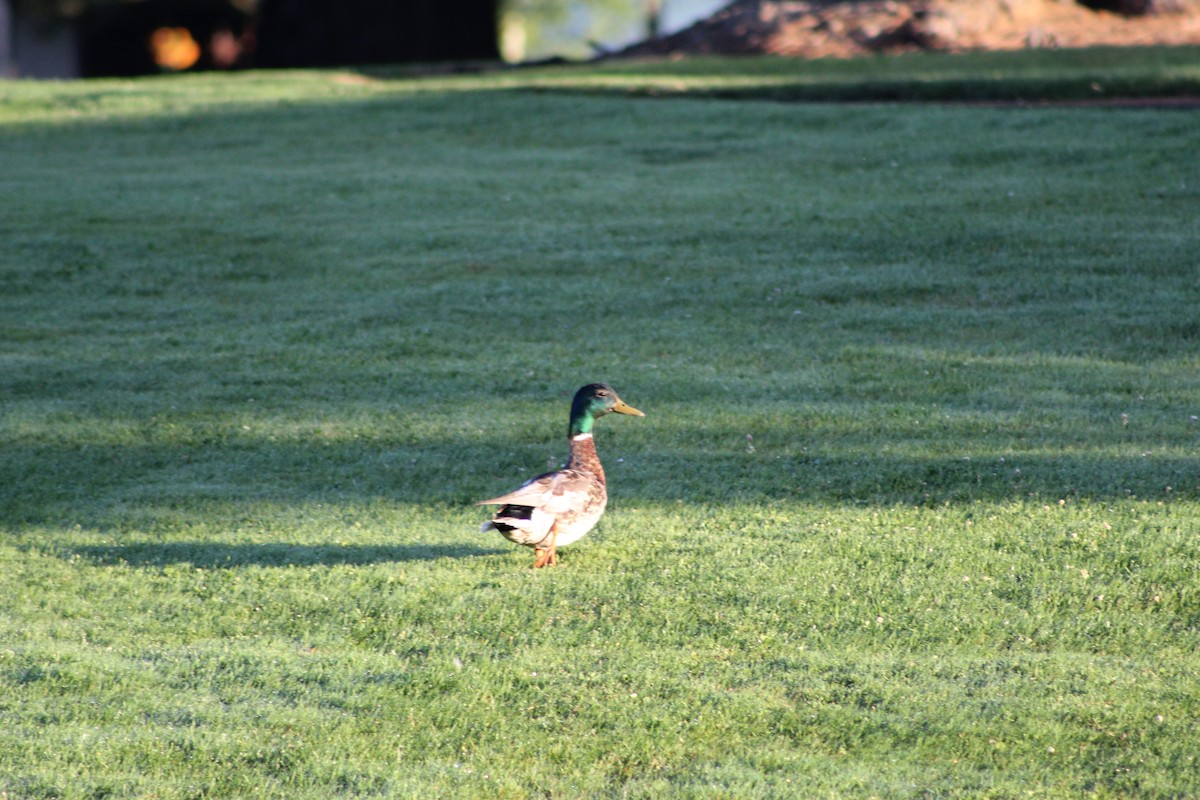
x=846, y=28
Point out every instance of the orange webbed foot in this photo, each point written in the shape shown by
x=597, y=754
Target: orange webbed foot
x=547, y=555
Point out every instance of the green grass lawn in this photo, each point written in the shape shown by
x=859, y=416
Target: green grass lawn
x=913, y=513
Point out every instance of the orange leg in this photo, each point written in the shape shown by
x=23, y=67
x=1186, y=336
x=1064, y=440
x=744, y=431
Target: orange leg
x=547, y=555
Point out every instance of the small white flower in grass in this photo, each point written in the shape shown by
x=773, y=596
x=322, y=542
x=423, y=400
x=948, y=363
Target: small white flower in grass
x=1050, y=749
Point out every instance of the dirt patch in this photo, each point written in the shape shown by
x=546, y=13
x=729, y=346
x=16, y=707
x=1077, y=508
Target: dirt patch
x=848, y=28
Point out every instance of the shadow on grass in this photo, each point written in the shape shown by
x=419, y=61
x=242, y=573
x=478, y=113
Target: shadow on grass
x=1067, y=74
x=206, y=555
x=145, y=487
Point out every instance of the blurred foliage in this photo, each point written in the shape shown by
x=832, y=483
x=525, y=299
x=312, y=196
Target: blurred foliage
x=571, y=28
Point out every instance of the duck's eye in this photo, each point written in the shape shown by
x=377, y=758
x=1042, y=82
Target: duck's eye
x=602, y=394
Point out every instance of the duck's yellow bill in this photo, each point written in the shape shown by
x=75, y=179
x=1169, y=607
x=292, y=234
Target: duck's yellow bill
x=624, y=408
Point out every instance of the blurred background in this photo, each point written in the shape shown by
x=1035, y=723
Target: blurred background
x=92, y=38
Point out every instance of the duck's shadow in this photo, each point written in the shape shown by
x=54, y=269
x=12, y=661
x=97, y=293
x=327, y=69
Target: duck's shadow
x=206, y=555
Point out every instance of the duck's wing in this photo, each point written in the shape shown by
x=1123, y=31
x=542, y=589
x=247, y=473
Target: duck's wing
x=558, y=492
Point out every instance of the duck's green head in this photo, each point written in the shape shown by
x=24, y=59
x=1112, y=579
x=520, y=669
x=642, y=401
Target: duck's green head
x=594, y=401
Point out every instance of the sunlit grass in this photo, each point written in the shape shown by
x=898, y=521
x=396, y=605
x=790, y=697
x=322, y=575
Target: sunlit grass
x=1038, y=75
x=912, y=512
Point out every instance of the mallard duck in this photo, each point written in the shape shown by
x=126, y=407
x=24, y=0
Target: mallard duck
x=558, y=508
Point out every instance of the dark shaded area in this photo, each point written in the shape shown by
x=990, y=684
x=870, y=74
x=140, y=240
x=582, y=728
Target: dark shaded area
x=109, y=488
x=206, y=555
x=1168, y=92
x=303, y=33
x=114, y=38
x=122, y=39
x=1128, y=8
